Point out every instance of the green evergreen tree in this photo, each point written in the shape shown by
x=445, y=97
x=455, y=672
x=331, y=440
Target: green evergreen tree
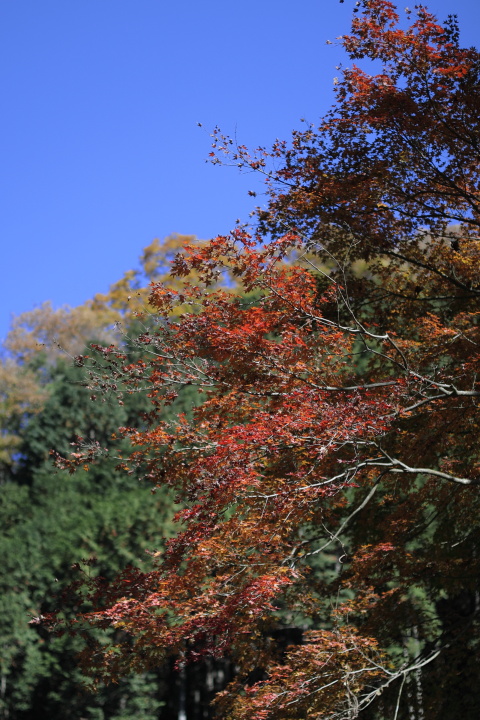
x=49, y=521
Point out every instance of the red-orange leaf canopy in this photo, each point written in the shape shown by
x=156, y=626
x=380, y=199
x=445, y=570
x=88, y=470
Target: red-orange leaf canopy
x=329, y=478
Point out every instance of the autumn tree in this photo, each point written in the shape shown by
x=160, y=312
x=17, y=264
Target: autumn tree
x=340, y=414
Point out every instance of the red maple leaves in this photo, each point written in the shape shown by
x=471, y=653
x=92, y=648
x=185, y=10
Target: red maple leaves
x=339, y=401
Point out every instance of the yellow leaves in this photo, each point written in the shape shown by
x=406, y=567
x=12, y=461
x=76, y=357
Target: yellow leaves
x=157, y=257
x=54, y=332
x=20, y=394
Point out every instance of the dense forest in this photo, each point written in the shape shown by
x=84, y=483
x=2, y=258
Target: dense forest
x=263, y=486
x=51, y=521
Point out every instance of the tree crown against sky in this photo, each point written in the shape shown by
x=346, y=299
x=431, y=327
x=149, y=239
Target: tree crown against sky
x=329, y=479
x=101, y=149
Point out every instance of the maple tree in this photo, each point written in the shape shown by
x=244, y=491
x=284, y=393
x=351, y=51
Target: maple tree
x=339, y=419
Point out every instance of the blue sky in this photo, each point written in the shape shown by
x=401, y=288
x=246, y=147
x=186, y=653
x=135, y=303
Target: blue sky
x=100, y=148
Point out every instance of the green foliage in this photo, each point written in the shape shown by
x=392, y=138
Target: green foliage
x=49, y=521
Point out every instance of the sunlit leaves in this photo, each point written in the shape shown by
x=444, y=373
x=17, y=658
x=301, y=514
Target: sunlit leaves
x=339, y=415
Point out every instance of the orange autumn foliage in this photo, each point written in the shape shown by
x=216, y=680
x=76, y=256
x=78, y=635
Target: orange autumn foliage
x=340, y=415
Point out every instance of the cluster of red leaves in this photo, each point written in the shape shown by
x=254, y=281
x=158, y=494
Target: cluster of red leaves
x=339, y=410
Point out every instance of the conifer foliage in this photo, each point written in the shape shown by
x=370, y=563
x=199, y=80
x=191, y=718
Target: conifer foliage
x=328, y=481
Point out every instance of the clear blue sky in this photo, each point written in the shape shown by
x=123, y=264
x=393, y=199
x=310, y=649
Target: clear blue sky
x=100, y=149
